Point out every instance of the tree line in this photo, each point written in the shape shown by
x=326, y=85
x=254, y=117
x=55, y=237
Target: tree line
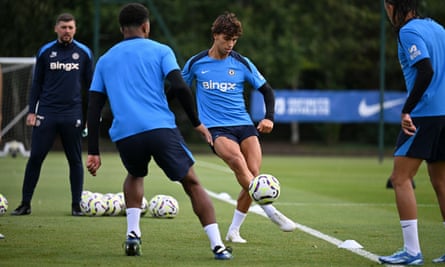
x=323, y=44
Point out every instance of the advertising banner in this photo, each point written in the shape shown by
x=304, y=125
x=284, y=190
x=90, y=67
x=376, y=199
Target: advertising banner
x=352, y=106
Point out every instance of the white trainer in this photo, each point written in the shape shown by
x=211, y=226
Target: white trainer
x=234, y=237
x=286, y=224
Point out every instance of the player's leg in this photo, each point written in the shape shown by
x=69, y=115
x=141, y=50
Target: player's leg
x=230, y=152
x=437, y=175
x=404, y=170
x=135, y=152
x=70, y=133
x=176, y=160
x=203, y=208
x=251, y=150
x=43, y=136
x=250, y=153
x=436, y=172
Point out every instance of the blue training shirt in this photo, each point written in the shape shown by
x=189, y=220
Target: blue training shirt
x=419, y=39
x=220, y=87
x=132, y=75
x=61, y=72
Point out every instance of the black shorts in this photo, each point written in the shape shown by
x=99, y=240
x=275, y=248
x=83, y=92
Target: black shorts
x=427, y=143
x=166, y=146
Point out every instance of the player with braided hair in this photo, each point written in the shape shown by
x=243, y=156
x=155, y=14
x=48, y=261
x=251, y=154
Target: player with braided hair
x=421, y=51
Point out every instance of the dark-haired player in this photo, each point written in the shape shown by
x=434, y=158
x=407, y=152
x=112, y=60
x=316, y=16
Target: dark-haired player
x=63, y=72
x=131, y=76
x=219, y=74
x=421, y=50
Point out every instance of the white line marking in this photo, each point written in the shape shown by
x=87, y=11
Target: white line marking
x=257, y=210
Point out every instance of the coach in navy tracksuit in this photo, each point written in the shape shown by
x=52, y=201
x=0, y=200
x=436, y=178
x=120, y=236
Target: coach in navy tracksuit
x=64, y=69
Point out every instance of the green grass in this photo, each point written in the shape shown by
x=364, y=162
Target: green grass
x=343, y=197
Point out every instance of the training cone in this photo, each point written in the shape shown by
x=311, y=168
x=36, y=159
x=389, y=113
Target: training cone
x=350, y=244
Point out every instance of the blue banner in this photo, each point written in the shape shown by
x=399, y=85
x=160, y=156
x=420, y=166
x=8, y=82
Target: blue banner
x=330, y=106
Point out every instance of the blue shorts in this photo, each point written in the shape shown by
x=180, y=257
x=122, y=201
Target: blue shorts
x=428, y=143
x=166, y=146
x=235, y=133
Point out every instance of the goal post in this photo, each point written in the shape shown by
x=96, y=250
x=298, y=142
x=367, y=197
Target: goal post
x=15, y=81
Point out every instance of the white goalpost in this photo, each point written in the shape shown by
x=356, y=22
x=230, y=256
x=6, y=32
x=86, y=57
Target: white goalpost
x=15, y=81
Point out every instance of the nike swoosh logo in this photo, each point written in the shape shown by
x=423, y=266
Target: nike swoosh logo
x=365, y=110
x=204, y=71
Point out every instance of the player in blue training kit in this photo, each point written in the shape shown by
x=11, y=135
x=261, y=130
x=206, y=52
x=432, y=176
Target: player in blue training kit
x=421, y=50
x=63, y=72
x=219, y=75
x=131, y=75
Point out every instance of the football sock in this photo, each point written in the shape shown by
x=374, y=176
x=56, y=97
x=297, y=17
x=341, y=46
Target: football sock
x=410, y=236
x=133, y=218
x=238, y=219
x=212, y=231
x=269, y=209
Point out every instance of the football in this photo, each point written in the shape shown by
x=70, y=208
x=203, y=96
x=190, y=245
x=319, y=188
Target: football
x=264, y=189
x=97, y=206
x=84, y=202
x=3, y=204
x=144, y=206
x=114, y=205
x=163, y=206
x=124, y=206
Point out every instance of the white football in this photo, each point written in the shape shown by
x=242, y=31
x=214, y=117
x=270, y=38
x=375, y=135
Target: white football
x=163, y=206
x=114, y=205
x=3, y=204
x=264, y=189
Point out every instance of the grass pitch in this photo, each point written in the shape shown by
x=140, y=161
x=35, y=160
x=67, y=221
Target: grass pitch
x=343, y=198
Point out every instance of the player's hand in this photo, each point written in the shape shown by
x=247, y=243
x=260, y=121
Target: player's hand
x=265, y=126
x=93, y=164
x=31, y=119
x=205, y=133
x=408, y=126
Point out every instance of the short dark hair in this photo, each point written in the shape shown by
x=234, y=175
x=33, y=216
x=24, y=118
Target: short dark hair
x=133, y=14
x=227, y=24
x=65, y=17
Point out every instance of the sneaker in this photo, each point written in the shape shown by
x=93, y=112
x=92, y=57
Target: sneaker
x=402, y=258
x=222, y=253
x=286, y=224
x=440, y=259
x=132, y=245
x=23, y=209
x=75, y=210
x=234, y=237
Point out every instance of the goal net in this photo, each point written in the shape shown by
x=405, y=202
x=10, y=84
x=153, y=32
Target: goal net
x=15, y=82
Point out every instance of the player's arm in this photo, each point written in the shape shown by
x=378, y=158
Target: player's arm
x=180, y=90
x=87, y=78
x=269, y=100
x=95, y=104
x=423, y=79
x=36, y=86
x=424, y=76
x=266, y=125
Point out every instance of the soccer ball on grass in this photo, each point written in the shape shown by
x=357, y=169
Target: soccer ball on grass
x=114, y=205
x=3, y=204
x=163, y=206
x=264, y=189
